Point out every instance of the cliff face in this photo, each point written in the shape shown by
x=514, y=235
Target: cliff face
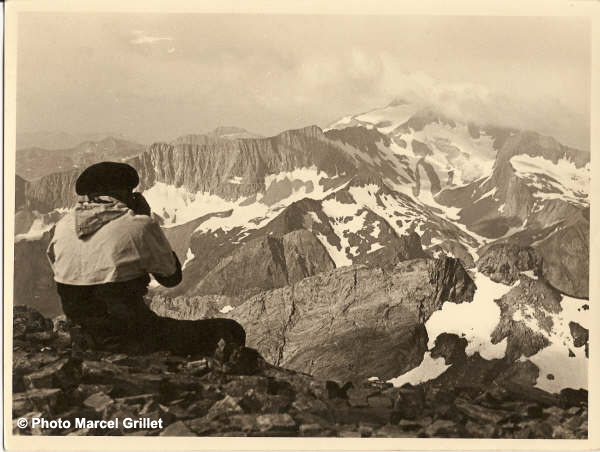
x=230, y=169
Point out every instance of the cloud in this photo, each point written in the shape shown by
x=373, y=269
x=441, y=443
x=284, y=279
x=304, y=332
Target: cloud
x=140, y=37
x=372, y=79
x=471, y=102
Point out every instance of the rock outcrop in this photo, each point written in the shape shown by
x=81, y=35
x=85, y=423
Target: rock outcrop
x=353, y=322
x=245, y=396
x=504, y=262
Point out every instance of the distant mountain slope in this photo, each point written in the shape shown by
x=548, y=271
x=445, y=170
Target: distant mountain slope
x=59, y=140
x=34, y=163
x=215, y=135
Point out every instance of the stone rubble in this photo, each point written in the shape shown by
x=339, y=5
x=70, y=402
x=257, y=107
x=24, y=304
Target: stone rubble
x=202, y=396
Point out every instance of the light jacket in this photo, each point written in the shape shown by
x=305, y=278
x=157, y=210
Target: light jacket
x=103, y=241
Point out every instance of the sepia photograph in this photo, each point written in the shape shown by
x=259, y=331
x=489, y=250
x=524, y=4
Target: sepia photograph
x=236, y=224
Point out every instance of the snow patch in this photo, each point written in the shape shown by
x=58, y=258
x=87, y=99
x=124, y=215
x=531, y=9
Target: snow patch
x=338, y=256
x=226, y=309
x=314, y=217
x=475, y=321
x=569, y=181
x=491, y=193
x=189, y=257
x=568, y=371
x=237, y=180
x=389, y=117
x=529, y=273
x=177, y=205
x=429, y=369
x=36, y=231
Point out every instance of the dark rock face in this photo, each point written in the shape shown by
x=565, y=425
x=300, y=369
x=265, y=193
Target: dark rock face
x=580, y=334
x=403, y=248
x=566, y=258
x=450, y=347
x=242, y=395
x=304, y=256
x=453, y=249
x=450, y=280
x=504, y=262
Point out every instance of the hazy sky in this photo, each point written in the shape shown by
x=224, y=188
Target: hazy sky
x=153, y=77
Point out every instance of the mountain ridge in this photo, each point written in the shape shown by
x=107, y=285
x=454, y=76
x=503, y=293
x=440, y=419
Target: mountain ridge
x=253, y=219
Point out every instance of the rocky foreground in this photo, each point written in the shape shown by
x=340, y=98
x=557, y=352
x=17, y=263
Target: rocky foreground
x=242, y=395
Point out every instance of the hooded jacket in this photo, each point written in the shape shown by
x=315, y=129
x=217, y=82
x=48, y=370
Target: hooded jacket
x=103, y=241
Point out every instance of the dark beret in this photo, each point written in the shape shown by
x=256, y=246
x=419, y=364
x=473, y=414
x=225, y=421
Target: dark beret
x=106, y=176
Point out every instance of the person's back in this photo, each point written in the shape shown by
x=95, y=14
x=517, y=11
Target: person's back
x=120, y=249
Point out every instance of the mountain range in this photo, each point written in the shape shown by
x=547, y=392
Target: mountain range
x=349, y=252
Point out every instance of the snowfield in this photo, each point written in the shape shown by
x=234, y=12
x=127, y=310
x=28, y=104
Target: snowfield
x=567, y=371
x=429, y=369
x=562, y=180
x=385, y=119
x=178, y=206
x=475, y=321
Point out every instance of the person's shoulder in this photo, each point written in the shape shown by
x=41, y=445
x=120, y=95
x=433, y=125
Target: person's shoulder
x=139, y=223
x=66, y=221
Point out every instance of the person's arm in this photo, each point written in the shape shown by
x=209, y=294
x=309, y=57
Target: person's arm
x=159, y=259
x=172, y=280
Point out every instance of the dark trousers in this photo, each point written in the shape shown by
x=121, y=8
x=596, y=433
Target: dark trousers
x=116, y=317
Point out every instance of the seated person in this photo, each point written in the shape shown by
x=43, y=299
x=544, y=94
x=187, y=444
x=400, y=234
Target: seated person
x=102, y=253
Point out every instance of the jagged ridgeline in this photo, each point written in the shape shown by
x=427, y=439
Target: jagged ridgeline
x=348, y=252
